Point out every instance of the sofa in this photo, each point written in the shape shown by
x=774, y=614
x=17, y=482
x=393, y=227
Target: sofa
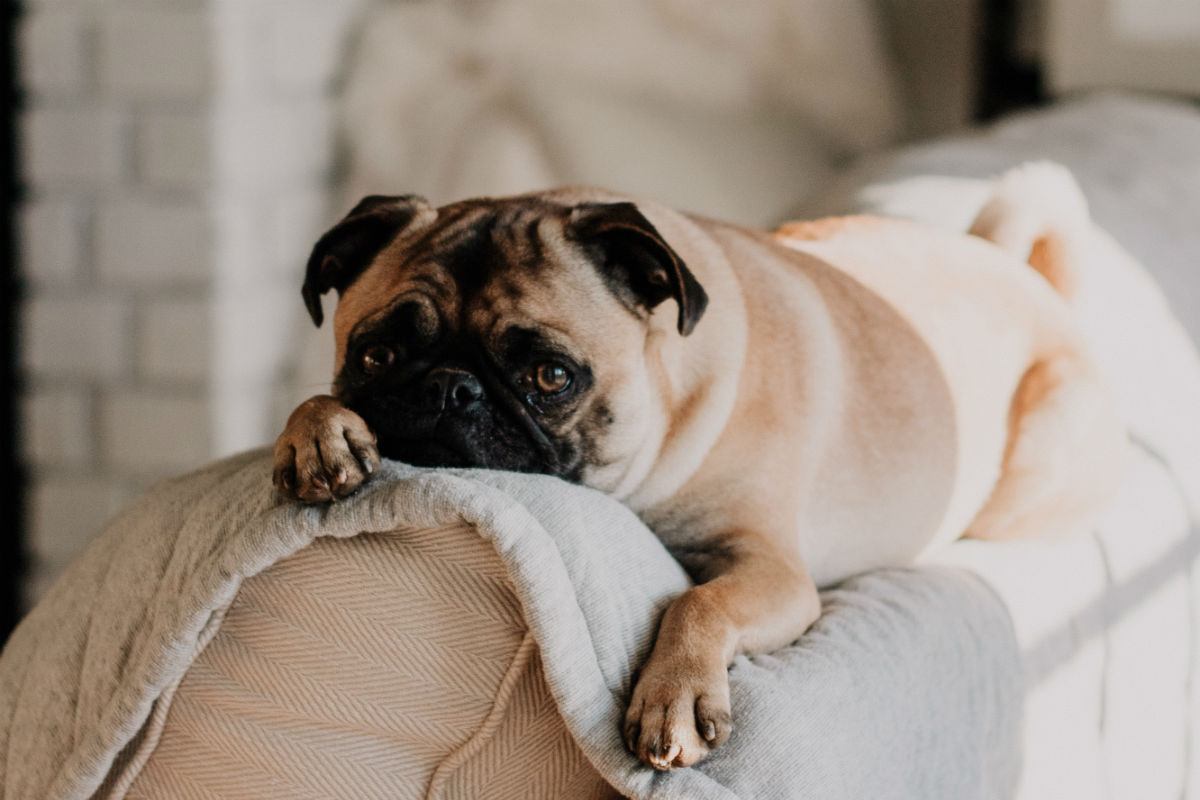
x=451, y=633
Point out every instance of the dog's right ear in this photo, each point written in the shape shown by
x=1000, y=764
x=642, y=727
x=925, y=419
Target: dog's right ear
x=347, y=248
x=636, y=260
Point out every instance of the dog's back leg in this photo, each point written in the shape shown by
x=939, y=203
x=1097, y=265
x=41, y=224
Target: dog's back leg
x=1066, y=443
x=1064, y=456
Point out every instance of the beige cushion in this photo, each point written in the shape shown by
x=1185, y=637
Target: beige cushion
x=385, y=665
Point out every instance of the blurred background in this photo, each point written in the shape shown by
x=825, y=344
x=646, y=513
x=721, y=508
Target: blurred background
x=168, y=164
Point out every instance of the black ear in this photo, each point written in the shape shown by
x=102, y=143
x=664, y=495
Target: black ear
x=636, y=261
x=347, y=248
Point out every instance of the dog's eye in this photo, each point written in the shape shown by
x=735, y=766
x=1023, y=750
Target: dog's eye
x=377, y=358
x=551, y=378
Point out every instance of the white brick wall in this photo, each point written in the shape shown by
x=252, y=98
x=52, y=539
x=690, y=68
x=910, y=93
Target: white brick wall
x=174, y=150
x=62, y=147
x=141, y=241
x=276, y=143
x=52, y=237
x=60, y=36
x=80, y=337
x=174, y=339
x=323, y=26
x=176, y=155
x=63, y=514
x=154, y=433
x=69, y=504
x=155, y=51
x=58, y=428
x=291, y=223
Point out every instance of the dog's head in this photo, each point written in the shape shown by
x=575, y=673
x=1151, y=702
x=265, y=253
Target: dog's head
x=509, y=334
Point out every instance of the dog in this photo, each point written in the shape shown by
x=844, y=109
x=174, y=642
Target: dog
x=783, y=409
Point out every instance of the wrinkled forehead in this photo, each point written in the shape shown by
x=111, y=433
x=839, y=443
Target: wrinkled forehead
x=481, y=262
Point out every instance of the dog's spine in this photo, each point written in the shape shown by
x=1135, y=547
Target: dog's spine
x=1038, y=213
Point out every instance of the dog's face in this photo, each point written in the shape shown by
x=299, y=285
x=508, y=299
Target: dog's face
x=507, y=334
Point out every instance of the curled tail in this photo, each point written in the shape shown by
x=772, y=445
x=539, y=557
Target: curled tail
x=1038, y=213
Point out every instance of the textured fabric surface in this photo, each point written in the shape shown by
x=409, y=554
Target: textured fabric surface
x=384, y=665
x=1107, y=629
x=83, y=674
x=1107, y=623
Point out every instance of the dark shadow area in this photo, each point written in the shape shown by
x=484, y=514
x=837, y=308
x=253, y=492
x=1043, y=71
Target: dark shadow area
x=1006, y=81
x=12, y=551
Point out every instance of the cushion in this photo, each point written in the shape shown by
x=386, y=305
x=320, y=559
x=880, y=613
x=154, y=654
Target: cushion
x=457, y=633
x=395, y=664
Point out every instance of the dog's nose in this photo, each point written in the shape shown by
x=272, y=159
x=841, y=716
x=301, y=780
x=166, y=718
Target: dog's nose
x=447, y=389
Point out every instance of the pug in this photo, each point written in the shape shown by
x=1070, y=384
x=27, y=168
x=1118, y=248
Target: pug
x=783, y=409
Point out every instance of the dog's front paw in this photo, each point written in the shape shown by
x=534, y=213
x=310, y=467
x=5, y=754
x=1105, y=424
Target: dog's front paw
x=679, y=712
x=325, y=452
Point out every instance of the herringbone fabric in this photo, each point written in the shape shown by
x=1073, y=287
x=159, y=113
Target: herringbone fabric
x=387, y=665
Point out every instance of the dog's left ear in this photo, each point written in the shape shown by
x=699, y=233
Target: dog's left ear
x=636, y=261
x=347, y=248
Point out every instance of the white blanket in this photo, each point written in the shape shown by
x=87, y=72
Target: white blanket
x=859, y=708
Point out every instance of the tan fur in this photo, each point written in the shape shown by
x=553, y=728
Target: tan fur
x=859, y=391
x=325, y=451
x=815, y=230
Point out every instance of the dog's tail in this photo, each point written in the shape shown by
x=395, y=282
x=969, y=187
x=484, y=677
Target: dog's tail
x=1038, y=213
